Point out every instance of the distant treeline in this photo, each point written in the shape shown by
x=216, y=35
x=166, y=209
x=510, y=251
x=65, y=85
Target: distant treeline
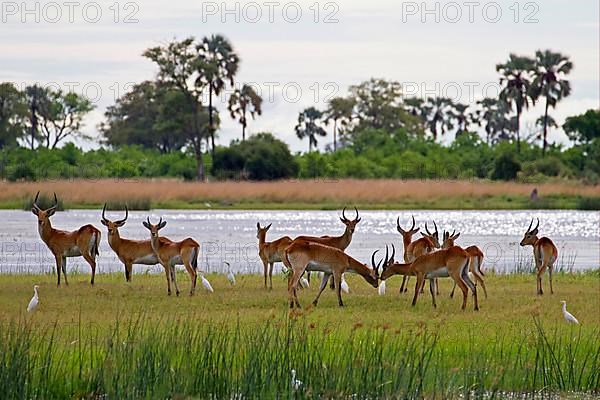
x=167, y=127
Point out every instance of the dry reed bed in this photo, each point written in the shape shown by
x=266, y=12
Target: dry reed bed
x=306, y=191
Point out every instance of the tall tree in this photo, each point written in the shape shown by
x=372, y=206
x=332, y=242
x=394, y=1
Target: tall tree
x=13, y=110
x=35, y=97
x=494, y=115
x=583, y=128
x=61, y=116
x=549, y=71
x=308, y=126
x=242, y=102
x=217, y=63
x=462, y=116
x=178, y=63
x=340, y=110
x=438, y=115
x=516, y=82
x=378, y=104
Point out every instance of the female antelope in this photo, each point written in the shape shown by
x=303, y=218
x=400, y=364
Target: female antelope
x=270, y=252
x=476, y=259
x=412, y=250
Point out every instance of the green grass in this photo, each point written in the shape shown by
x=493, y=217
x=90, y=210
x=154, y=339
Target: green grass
x=133, y=341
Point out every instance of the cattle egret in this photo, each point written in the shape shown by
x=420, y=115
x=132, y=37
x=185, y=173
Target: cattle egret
x=382, y=288
x=206, y=284
x=304, y=282
x=568, y=316
x=34, y=300
x=344, y=285
x=230, y=275
x=296, y=383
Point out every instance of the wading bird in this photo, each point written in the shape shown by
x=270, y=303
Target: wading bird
x=568, y=316
x=296, y=383
x=33, y=303
x=230, y=275
x=206, y=284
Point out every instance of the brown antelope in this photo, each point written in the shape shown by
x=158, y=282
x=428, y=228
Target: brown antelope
x=339, y=242
x=270, y=252
x=129, y=251
x=170, y=254
x=544, y=254
x=476, y=259
x=452, y=262
x=82, y=242
x=412, y=250
x=303, y=255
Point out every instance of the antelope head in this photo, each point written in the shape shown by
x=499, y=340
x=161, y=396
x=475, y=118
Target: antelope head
x=374, y=276
x=262, y=232
x=434, y=237
x=530, y=236
x=154, y=228
x=387, y=263
x=408, y=233
x=350, y=224
x=43, y=215
x=449, y=239
x=113, y=226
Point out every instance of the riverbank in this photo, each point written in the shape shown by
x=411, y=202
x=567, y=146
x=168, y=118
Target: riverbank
x=309, y=194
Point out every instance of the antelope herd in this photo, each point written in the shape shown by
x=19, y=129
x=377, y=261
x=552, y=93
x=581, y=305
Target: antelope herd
x=424, y=258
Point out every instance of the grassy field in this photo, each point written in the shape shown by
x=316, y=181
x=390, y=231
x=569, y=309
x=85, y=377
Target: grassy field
x=308, y=194
x=119, y=340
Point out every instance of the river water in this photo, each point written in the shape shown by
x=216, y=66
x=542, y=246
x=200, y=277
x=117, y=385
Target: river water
x=231, y=236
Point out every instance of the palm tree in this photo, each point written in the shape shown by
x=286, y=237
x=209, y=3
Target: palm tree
x=241, y=102
x=516, y=85
x=340, y=109
x=549, y=81
x=308, y=126
x=217, y=62
x=460, y=113
x=494, y=114
x=437, y=112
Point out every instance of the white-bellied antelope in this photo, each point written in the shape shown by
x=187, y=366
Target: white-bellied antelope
x=83, y=242
x=170, y=254
x=270, y=252
x=129, y=251
x=452, y=262
x=476, y=259
x=426, y=244
x=304, y=255
x=544, y=254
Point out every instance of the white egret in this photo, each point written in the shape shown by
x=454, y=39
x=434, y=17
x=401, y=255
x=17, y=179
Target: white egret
x=33, y=303
x=568, y=316
x=344, y=285
x=206, y=284
x=382, y=288
x=296, y=383
x=230, y=275
x=304, y=282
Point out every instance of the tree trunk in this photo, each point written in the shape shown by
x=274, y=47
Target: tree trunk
x=544, y=142
x=334, y=135
x=210, y=122
x=518, y=129
x=199, y=166
x=243, y=132
x=33, y=122
x=197, y=142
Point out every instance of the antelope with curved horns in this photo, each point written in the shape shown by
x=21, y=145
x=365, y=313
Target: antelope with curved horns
x=339, y=242
x=304, y=255
x=544, y=254
x=129, y=251
x=452, y=262
x=270, y=252
x=171, y=253
x=412, y=250
x=83, y=242
x=476, y=259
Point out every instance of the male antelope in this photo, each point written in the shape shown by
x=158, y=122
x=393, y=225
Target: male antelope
x=129, y=251
x=544, y=254
x=339, y=242
x=82, y=242
x=476, y=259
x=303, y=255
x=412, y=250
x=270, y=252
x=170, y=254
x=452, y=262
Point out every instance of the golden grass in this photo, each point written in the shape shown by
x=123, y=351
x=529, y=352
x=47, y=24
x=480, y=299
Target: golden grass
x=297, y=191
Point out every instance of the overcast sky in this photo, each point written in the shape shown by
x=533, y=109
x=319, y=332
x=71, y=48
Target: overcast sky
x=303, y=52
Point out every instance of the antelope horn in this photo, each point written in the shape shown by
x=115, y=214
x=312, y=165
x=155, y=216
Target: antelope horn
x=148, y=219
x=344, y=214
x=538, y=224
x=373, y=259
x=453, y=232
x=413, y=223
x=126, y=215
x=531, y=223
x=398, y=225
x=35, y=201
x=103, y=212
x=435, y=226
x=55, y=206
x=356, y=209
x=393, y=252
x=427, y=229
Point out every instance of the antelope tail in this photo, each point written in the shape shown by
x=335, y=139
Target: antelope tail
x=96, y=244
x=479, y=262
x=194, y=260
